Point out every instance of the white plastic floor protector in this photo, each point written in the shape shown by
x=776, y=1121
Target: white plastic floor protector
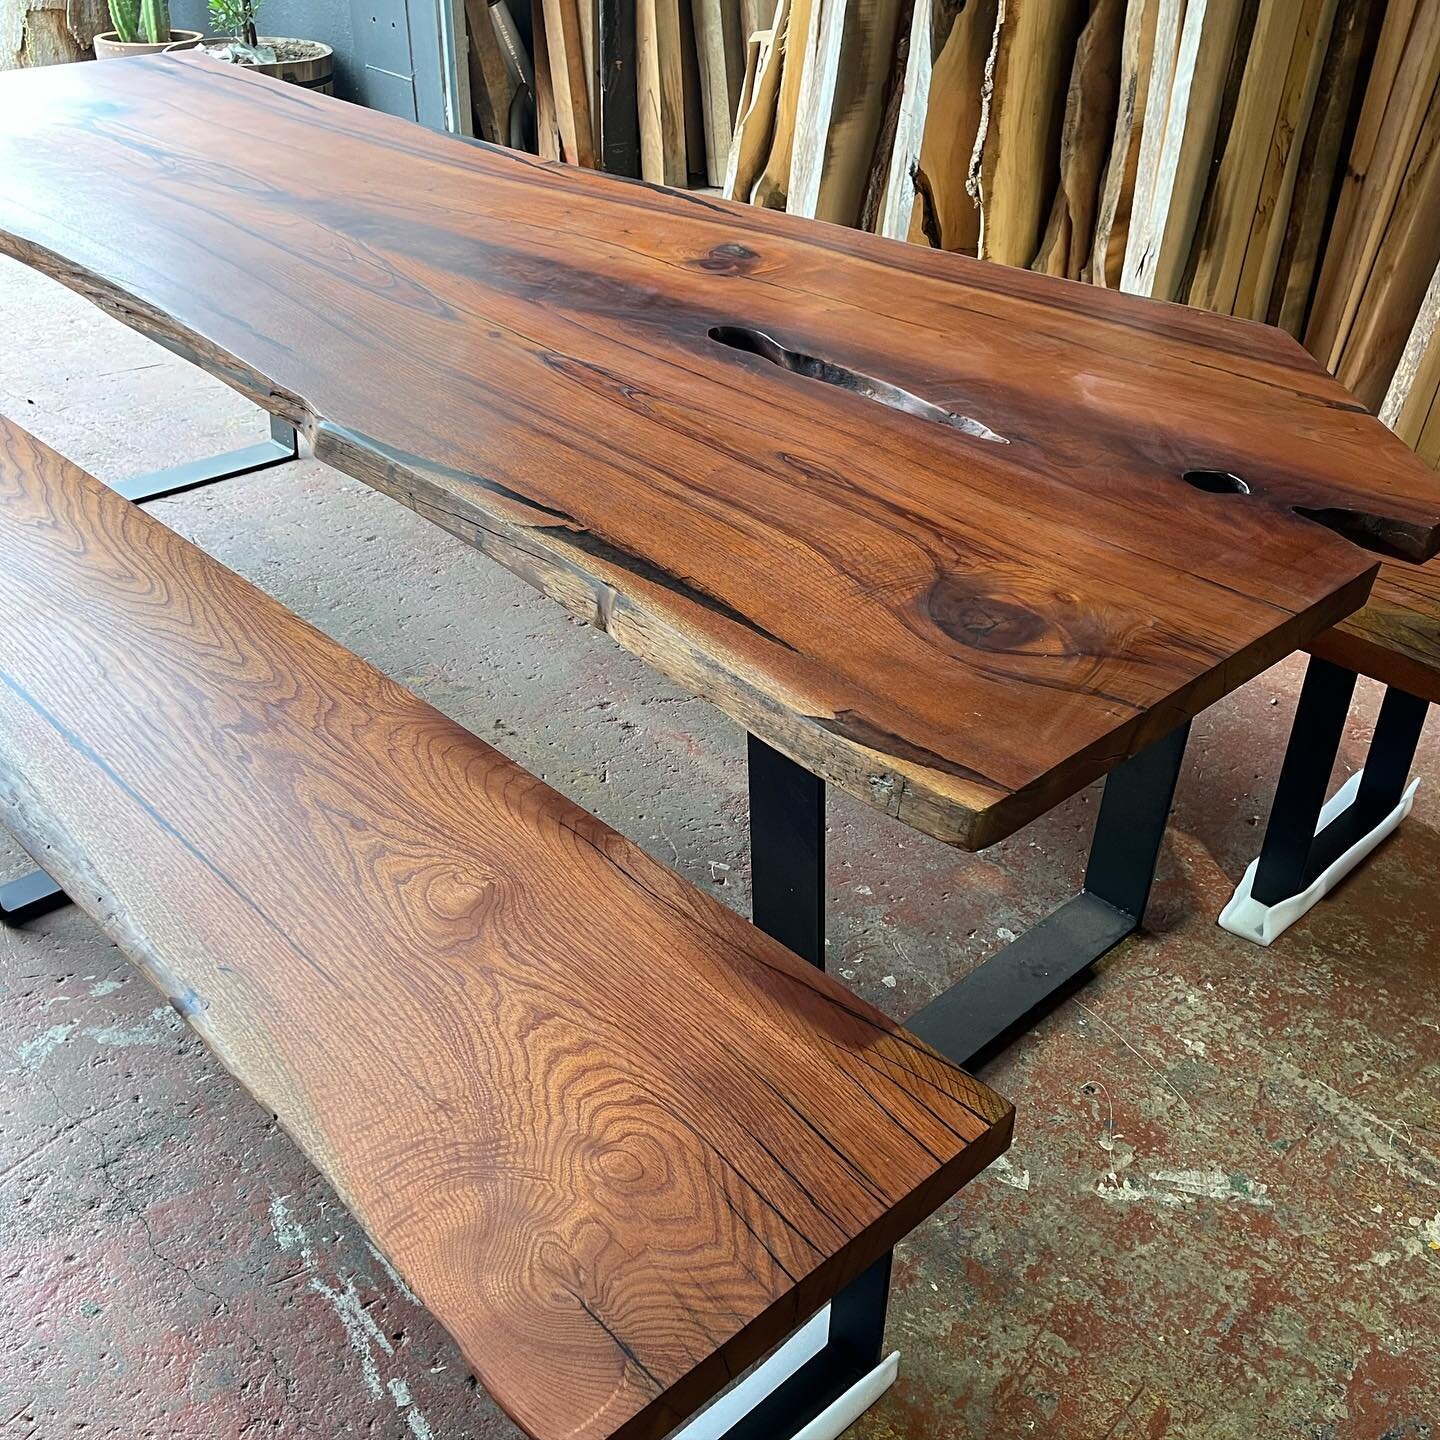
x=840, y=1416
x=1248, y=918
x=806, y=1342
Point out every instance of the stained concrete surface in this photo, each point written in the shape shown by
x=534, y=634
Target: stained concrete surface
x=1221, y=1216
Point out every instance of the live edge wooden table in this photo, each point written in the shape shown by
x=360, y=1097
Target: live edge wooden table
x=953, y=537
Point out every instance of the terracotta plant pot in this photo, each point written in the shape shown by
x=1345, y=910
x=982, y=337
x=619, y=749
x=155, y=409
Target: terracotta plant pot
x=110, y=46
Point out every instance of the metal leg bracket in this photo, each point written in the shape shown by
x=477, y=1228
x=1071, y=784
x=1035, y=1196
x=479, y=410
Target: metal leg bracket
x=1000, y=999
x=282, y=446
x=31, y=895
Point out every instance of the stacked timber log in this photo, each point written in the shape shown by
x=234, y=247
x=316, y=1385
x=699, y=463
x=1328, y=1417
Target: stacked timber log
x=1273, y=159
x=642, y=87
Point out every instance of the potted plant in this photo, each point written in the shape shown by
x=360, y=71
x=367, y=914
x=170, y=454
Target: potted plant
x=142, y=27
x=301, y=62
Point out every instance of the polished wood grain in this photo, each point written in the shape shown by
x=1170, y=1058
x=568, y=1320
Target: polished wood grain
x=1396, y=637
x=917, y=521
x=618, y=1140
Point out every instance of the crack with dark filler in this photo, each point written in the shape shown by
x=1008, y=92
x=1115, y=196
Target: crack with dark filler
x=566, y=530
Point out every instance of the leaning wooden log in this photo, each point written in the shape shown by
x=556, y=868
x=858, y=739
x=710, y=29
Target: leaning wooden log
x=587, y=14
x=720, y=57
x=1224, y=119
x=1188, y=77
x=664, y=158
x=618, y=140
x=1169, y=24
x=695, y=162
x=569, y=81
x=1117, y=186
x=877, y=177
x=1282, y=167
x=801, y=33
x=941, y=210
x=755, y=48
x=1397, y=97
x=1089, y=123
x=492, y=90
x=838, y=110
x=1318, y=170
x=930, y=21
x=1238, y=242
x=754, y=135
x=547, y=121
x=1014, y=170
x=1406, y=257
x=1412, y=403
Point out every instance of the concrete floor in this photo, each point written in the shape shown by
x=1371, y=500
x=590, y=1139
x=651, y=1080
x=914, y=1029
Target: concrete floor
x=1221, y=1216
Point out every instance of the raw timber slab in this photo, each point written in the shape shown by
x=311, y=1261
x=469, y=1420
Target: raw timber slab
x=619, y=1141
x=919, y=522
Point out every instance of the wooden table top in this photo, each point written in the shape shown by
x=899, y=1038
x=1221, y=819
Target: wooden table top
x=619, y=1141
x=917, y=521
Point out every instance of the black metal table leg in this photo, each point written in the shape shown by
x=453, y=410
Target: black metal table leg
x=787, y=851
x=1304, y=777
x=1393, y=744
x=765, y=1406
x=282, y=446
x=33, y=894
x=1000, y=999
x=1297, y=849
x=981, y=1013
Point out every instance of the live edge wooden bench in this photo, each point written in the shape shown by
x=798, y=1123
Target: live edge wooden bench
x=1312, y=843
x=618, y=1140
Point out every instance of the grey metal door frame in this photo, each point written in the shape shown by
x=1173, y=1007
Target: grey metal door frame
x=408, y=62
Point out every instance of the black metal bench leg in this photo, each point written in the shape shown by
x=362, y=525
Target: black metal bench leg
x=31, y=895
x=1284, y=866
x=1001, y=998
x=830, y=1370
x=787, y=851
x=1310, y=843
x=1393, y=744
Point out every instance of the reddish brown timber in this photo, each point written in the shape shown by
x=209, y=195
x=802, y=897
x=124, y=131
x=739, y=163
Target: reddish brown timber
x=957, y=538
x=619, y=1141
x=1396, y=637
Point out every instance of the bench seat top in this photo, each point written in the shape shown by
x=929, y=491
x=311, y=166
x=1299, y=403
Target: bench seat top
x=619, y=1141
x=1396, y=637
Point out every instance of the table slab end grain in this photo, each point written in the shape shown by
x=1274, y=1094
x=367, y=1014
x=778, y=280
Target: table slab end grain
x=957, y=538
